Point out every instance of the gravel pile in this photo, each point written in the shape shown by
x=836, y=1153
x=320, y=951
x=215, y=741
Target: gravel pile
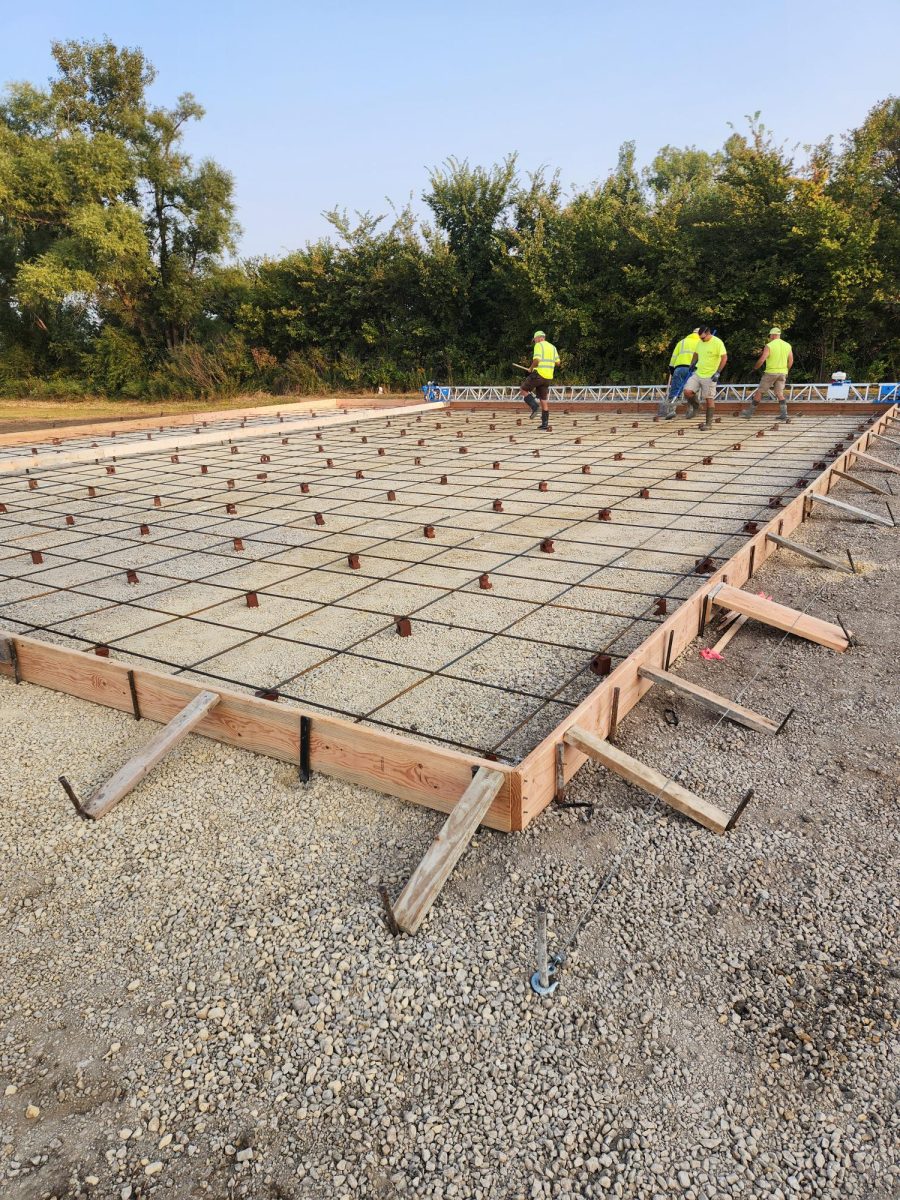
x=198, y=996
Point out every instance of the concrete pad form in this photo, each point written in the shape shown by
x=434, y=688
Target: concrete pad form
x=438, y=517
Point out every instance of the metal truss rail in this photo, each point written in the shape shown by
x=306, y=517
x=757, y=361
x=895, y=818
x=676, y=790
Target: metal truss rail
x=647, y=393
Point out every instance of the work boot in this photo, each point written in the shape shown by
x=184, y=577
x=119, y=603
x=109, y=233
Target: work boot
x=545, y=422
x=783, y=413
x=748, y=411
x=708, y=423
x=692, y=409
x=532, y=404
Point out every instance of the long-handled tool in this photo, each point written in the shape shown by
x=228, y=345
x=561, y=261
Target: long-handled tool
x=521, y=368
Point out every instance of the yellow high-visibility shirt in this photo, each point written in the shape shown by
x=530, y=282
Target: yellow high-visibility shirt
x=684, y=350
x=708, y=355
x=779, y=352
x=548, y=359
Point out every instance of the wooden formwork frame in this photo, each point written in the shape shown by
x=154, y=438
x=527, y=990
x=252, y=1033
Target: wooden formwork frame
x=324, y=405
x=112, y=452
x=424, y=774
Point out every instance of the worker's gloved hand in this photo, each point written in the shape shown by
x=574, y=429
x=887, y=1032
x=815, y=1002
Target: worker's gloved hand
x=715, y=377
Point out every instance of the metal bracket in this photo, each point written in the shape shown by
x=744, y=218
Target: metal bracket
x=134, y=697
x=13, y=658
x=613, y=715
x=305, y=738
x=560, y=795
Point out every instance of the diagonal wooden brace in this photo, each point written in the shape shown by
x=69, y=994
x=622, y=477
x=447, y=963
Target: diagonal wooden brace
x=424, y=887
x=648, y=778
x=779, y=616
x=805, y=551
x=109, y=794
x=830, y=502
x=711, y=700
x=863, y=483
x=879, y=462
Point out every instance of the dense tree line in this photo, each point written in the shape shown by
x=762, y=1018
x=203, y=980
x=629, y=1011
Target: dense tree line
x=117, y=272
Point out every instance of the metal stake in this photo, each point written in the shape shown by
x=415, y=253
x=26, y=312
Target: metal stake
x=541, y=979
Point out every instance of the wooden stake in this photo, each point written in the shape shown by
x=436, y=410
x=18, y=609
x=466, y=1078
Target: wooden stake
x=127, y=778
x=648, y=778
x=856, y=512
x=791, y=620
x=431, y=874
x=822, y=561
x=711, y=700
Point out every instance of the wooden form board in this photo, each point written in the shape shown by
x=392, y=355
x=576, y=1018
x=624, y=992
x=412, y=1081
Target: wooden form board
x=624, y=686
x=314, y=405
x=21, y=463
x=414, y=771
x=115, y=425
x=402, y=767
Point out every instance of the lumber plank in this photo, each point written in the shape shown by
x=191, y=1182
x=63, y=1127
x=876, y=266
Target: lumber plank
x=711, y=700
x=812, y=555
x=648, y=778
x=863, y=483
x=188, y=441
x=780, y=616
x=445, y=851
x=108, y=795
x=418, y=772
x=879, y=462
x=321, y=405
x=852, y=509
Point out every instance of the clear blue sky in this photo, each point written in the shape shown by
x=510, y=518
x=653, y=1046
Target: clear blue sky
x=316, y=105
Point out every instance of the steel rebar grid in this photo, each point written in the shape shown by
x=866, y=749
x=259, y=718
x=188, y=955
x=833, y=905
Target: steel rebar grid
x=568, y=455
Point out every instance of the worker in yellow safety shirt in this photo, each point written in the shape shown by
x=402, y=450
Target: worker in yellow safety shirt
x=778, y=358
x=707, y=362
x=544, y=362
x=679, y=370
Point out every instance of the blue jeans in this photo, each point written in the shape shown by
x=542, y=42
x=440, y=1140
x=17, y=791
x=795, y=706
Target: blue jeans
x=679, y=378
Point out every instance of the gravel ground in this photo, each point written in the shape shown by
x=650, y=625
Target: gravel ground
x=198, y=996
